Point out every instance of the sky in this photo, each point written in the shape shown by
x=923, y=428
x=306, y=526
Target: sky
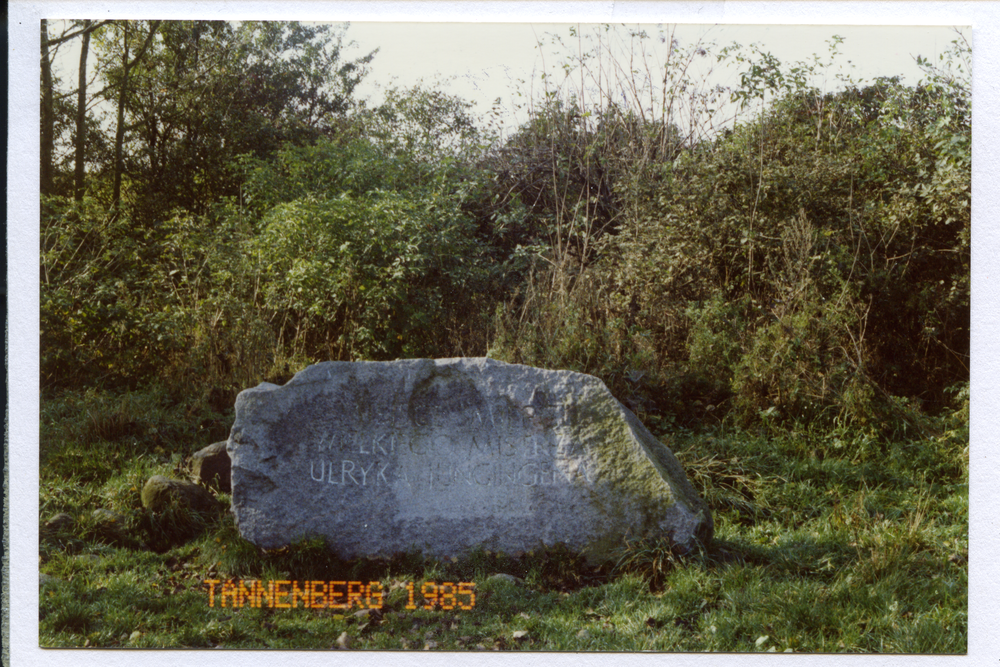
x=483, y=62
x=420, y=52
x=486, y=61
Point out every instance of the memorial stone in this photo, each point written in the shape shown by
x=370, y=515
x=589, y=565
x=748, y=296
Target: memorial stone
x=445, y=456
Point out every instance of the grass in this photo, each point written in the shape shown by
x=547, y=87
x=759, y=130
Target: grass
x=825, y=542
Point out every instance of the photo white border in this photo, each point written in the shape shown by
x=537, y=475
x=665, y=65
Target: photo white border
x=23, y=294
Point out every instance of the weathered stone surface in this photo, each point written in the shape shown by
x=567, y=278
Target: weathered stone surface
x=210, y=466
x=448, y=455
x=159, y=491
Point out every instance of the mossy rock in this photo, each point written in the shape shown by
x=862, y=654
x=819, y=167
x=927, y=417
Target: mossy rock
x=160, y=491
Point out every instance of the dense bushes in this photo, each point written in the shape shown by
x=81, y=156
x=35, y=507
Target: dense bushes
x=850, y=285
x=808, y=264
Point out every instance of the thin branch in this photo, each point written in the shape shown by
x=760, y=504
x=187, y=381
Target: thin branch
x=59, y=40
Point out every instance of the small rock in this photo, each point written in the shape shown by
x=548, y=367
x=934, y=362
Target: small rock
x=109, y=525
x=159, y=491
x=369, y=614
x=103, y=516
x=520, y=634
x=506, y=577
x=46, y=579
x=212, y=467
x=344, y=641
x=59, y=522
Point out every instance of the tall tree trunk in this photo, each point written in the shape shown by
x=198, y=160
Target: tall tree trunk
x=48, y=116
x=81, y=117
x=120, y=129
x=122, y=97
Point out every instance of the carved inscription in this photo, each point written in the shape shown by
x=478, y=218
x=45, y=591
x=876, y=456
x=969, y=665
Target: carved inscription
x=348, y=473
x=445, y=438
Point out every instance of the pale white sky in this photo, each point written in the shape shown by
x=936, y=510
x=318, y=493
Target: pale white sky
x=482, y=62
x=488, y=58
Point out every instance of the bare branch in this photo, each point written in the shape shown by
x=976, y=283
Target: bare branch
x=65, y=38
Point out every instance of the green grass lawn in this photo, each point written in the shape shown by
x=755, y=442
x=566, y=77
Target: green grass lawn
x=833, y=542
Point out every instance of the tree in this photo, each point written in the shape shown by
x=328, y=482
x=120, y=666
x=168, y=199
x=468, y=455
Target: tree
x=138, y=292
x=57, y=116
x=48, y=114
x=207, y=91
x=81, y=117
x=122, y=83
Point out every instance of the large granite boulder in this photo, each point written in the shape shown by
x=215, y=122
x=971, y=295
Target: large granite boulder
x=448, y=455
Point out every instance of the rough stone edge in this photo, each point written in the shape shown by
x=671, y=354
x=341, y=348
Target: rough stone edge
x=673, y=474
x=688, y=504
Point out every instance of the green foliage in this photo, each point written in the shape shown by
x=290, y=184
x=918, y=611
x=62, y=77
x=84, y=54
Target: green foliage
x=118, y=308
x=801, y=366
x=650, y=558
x=172, y=525
x=573, y=329
x=787, y=299
x=349, y=165
x=205, y=92
x=373, y=276
x=851, y=288
x=811, y=262
x=87, y=261
x=714, y=344
x=426, y=126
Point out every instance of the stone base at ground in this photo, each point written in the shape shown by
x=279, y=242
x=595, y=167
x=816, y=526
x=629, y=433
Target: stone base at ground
x=210, y=466
x=445, y=456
